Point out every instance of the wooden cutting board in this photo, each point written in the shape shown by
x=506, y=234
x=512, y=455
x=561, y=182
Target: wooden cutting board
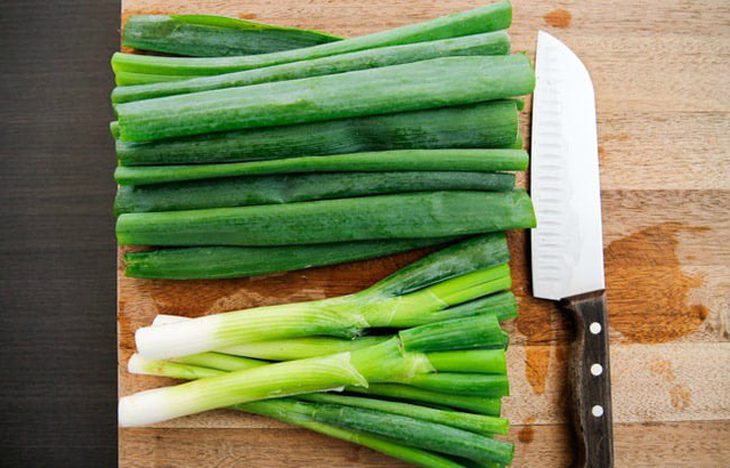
x=661, y=70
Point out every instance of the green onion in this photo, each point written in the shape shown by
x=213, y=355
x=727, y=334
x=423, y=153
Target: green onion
x=427, y=84
x=282, y=410
x=400, y=299
x=434, y=160
x=214, y=36
x=343, y=317
x=500, y=305
x=383, y=362
x=292, y=410
x=496, y=43
x=489, y=18
x=275, y=380
x=279, y=350
x=235, y=262
x=483, y=125
x=476, y=404
x=288, y=188
x=208, y=365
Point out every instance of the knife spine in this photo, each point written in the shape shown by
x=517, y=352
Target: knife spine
x=547, y=173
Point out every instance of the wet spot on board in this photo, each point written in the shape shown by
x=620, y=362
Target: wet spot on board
x=526, y=435
x=558, y=18
x=663, y=368
x=537, y=364
x=681, y=397
x=647, y=289
x=248, y=16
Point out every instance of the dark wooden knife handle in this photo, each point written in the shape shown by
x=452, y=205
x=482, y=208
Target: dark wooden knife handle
x=591, y=380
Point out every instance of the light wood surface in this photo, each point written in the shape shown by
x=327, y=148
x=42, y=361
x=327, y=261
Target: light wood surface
x=660, y=70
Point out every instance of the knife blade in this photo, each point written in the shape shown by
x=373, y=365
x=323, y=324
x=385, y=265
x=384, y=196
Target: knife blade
x=567, y=245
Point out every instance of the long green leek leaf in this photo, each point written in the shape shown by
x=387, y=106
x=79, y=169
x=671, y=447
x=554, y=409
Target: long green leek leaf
x=451, y=262
x=215, y=36
x=281, y=410
x=407, y=216
x=470, y=422
x=434, y=160
x=489, y=18
x=288, y=188
x=441, y=438
x=483, y=125
x=496, y=43
x=428, y=84
x=236, y=262
x=123, y=78
x=475, y=404
x=487, y=385
x=438, y=336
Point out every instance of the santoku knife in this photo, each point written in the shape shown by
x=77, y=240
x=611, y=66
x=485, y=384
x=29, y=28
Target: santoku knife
x=567, y=245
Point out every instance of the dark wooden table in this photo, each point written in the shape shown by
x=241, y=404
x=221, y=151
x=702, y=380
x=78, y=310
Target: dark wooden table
x=57, y=251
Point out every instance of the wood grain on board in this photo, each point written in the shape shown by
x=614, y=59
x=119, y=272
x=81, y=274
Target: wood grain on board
x=660, y=71
x=637, y=445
